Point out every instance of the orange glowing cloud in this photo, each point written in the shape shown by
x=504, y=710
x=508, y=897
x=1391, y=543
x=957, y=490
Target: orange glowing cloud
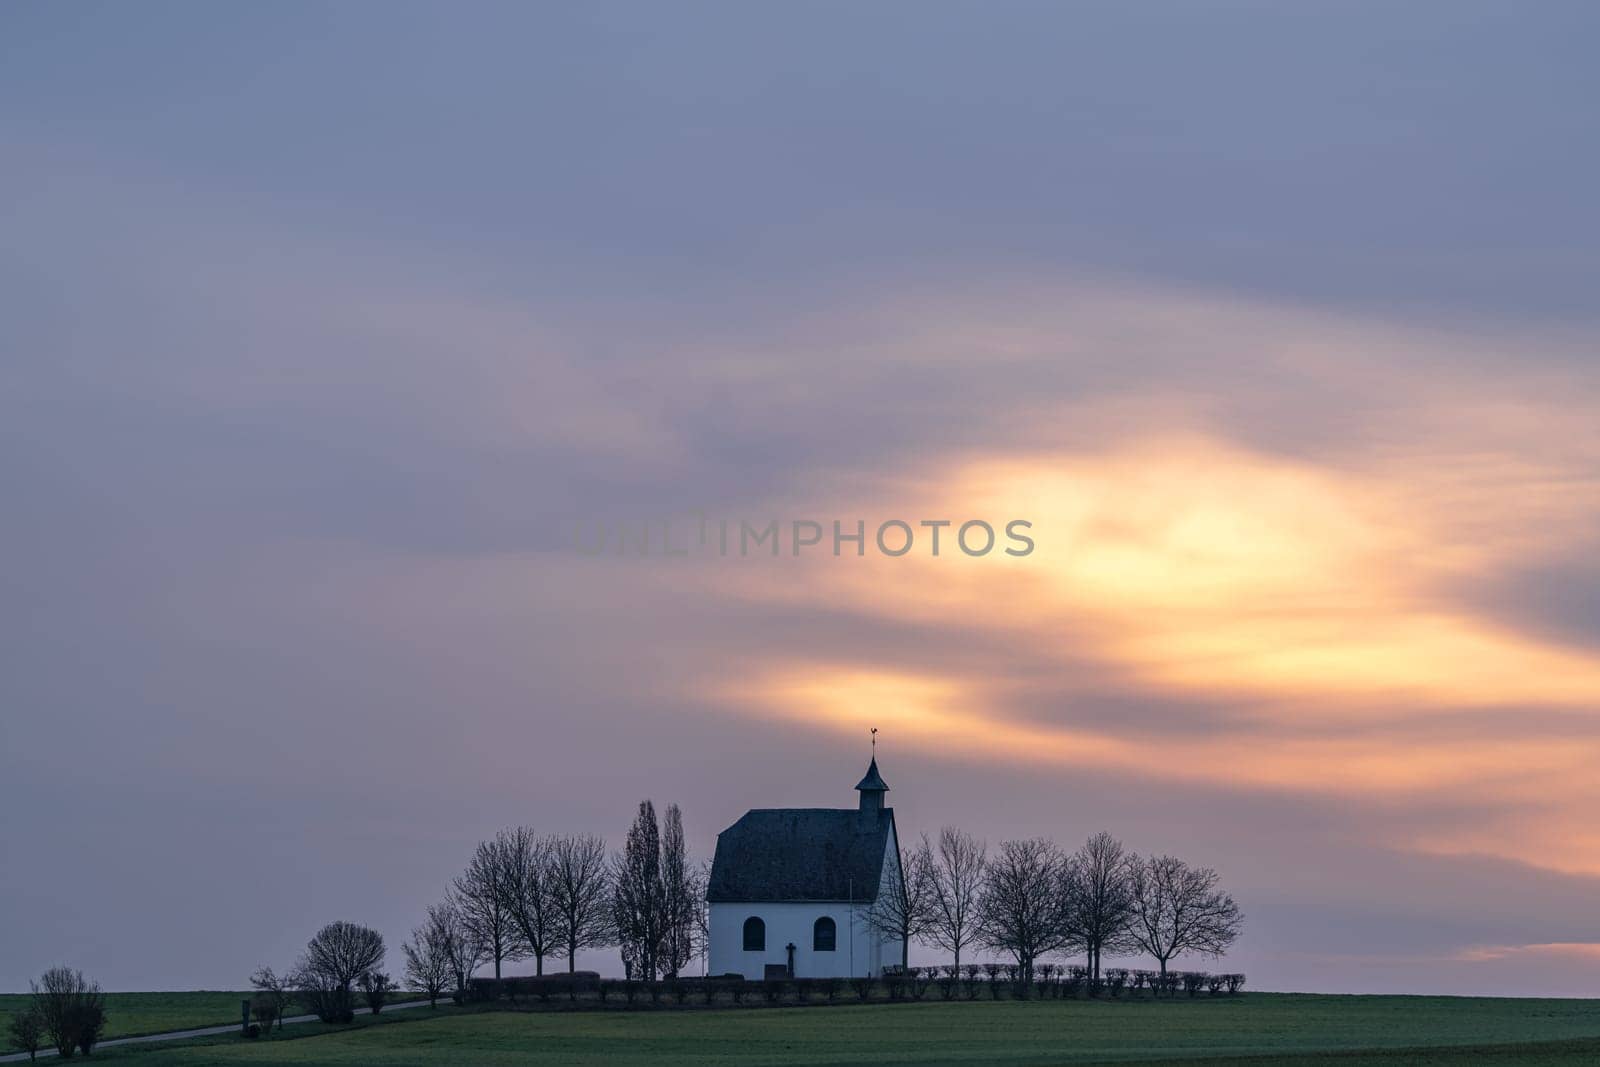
x=1195, y=566
x=1316, y=593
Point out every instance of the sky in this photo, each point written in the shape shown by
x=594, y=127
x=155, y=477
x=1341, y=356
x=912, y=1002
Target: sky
x=327, y=330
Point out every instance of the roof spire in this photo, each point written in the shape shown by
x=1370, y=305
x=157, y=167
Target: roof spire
x=872, y=786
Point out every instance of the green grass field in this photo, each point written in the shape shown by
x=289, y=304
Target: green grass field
x=145, y=1013
x=1257, y=1028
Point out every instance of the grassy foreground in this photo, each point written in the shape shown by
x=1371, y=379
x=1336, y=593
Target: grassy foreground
x=1258, y=1028
x=128, y=1014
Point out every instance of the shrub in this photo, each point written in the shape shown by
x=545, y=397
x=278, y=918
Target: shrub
x=736, y=989
x=605, y=989
x=329, y=1003
x=27, y=1031
x=1046, y=985
x=1213, y=984
x=1234, y=983
x=1139, y=979
x=679, y=990
x=862, y=986
x=90, y=1024
x=920, y=979
x=70, y=1010
x=773, y=989
x=480, y=991
x=992, y=971
x=1072, y=980
x=376, y=987
x=1192, y=981
x=1116, y=981
x=807, y=989
x=264, y=1010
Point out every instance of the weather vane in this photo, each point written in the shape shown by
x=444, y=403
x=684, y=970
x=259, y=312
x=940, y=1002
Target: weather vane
x=874, y=742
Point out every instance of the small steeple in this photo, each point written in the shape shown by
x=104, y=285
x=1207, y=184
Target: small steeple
x=872, y=787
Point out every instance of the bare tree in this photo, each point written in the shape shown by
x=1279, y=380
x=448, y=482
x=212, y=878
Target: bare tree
x=336, y=959
x=459, y=943
x=530, y=898
x=1178, y=909
x=1099, y=887
x=680, y=897
x=274, y=994
x=1023, y=905
x=581, y=887
x=344, y=952
x=429, y=964
x=956, y=866
x=27, y=1032
x=637, y=906
x=903, y=906
x=480, y=897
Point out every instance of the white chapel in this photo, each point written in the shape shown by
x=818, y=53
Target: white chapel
x=790, y=889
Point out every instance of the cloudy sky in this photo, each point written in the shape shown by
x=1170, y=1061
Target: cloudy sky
x=323, y=328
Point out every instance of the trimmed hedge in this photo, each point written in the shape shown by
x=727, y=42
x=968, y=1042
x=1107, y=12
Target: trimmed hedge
x=970, y=981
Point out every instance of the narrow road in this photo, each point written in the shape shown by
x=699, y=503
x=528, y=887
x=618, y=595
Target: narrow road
x=204, y=1031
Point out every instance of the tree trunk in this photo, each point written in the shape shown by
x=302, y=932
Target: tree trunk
x=572, y=959
x=538, y=963
x=905, y=952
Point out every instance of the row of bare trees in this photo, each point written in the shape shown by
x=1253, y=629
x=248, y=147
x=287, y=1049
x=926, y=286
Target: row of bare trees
x=531, y=896
x=1030, y=900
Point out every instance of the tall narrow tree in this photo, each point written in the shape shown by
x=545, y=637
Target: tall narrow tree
x=680, y=897
x=957, y=865
x=480, y=897
x=530, y=897
x=581, y=884
x=637, y=905
x=902, y=909
x=1099, y=887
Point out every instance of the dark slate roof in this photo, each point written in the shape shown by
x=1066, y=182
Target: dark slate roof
x=801, y=854
x=873, y=782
